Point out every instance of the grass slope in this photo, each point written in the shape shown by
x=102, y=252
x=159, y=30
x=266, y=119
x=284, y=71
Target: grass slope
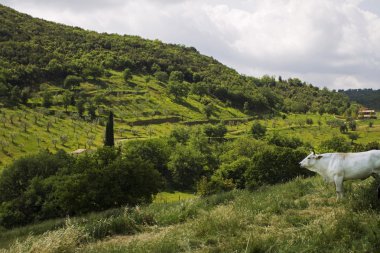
x=25, y=129
x=301, y=215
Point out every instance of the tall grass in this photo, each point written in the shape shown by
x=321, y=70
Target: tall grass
x=299, y=216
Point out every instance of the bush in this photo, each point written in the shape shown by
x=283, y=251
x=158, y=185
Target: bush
x=71, y=81
x=127, y=74
x=284, y=141
x=258, y=131
x=187, y=165
x=274, y=165
x=161, y=76
x=216, y=132
x=47, y=186
x=335, y=144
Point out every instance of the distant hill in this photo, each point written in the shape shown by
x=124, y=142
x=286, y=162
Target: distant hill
x=367, y=97
x=34, y=51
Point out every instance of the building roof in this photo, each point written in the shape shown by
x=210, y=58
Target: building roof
x=78, y=151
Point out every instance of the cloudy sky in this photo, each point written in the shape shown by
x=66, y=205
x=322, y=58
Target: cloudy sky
x=332, y=43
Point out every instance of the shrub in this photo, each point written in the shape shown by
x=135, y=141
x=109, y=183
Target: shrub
x=161, y=76
x=187, y=165
x=273, y=165
x=47, y=186
x=71, y=81
x=336, y=144
x=284, y=141
x=258, y=131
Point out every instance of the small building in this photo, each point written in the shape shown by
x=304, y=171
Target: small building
x=366, y=113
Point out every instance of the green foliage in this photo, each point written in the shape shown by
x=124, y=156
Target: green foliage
x=367, y=97
x=284, y=141
x=187, y=165
x=72, y=81
x=127, y=75
x=109, y=135
x=80, y=106
x=353, y=137
x=47, y=99
x=67, y=98
x=216, y=132
x=273, y=165
x=154, y=151
x=209, y=109
x=176, y=77
x=179, y=135
x=178, y=89
x=352, y=125
x=36, y=51
x=161, y=76
x=257, y=130
x=335, y=144
x=47, y=185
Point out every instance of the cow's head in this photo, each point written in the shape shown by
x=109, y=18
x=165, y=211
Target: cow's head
x=310, y=161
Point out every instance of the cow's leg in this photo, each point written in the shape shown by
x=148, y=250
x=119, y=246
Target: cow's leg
x=376, y=176
x=339, y=186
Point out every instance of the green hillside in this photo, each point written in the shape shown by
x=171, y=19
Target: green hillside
x=205, y=144
x=367, y=97
x=67, y=79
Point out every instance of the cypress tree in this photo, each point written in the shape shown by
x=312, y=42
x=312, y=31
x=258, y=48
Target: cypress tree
x=109, y=138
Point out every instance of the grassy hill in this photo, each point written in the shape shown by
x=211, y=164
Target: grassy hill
x=38, y=57
x=301, y=215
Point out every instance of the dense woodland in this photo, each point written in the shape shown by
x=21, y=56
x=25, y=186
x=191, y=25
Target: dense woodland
x=367, y=97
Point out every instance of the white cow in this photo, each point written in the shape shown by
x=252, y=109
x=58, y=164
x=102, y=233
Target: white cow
x=338, y=167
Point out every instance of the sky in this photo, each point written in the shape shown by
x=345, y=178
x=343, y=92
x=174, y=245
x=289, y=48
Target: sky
x=328, y=43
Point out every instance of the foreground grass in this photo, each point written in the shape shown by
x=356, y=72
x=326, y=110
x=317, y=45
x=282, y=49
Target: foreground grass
x=301, y=215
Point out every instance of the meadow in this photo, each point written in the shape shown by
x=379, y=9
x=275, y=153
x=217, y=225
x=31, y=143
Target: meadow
x=298, y=216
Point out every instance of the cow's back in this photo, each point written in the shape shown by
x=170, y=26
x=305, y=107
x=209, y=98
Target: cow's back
x=356, y=165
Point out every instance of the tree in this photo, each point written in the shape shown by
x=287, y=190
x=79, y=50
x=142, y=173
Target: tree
x=64, y=139
x=335, y=144
x=71, y=81
x=127, y=75
x=187, y=165
x=343, y=128
x=176, y=76
x=178, y=89
x=25, y=95
x=218, y=131
x=47, y=99
x=15, y=94
x=91, y=111
x=3, y=87
x=67, y=98
x=208, y=110
x=309, y=121
x=80, y=106
x=258, y=131
x=93, y=70
x=161, y=76
x=199, y=89
x=109, y=135
x=352, y=125
x=353, y=137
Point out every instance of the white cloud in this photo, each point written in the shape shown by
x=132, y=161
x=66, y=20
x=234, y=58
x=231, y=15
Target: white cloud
x=324, y=42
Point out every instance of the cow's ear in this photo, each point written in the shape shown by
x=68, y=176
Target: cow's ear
x=319, y=157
